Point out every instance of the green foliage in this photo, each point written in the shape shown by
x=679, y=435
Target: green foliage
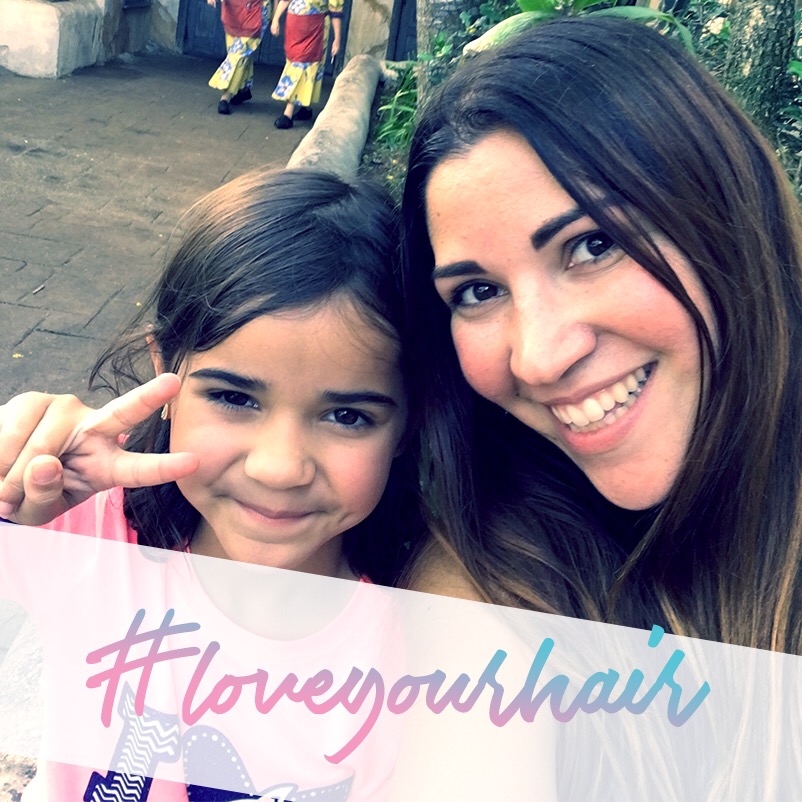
x=650, y=16
x=397, y=115
x=702, y=25
x=789, y=127
x=534, y=12
x=708, y=22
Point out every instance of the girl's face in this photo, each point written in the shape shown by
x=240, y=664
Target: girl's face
x=553, y=322
x=296, y=418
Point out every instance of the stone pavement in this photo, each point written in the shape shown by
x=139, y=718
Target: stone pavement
x=95, y=171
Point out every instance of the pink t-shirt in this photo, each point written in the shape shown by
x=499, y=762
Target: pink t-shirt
x=279, y=755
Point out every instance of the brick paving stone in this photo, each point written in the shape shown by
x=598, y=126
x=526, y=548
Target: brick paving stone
x=95, y=171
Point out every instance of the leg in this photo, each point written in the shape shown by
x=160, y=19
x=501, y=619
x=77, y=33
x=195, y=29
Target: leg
x=243, y=94
x=285, y=120
x=235, y=70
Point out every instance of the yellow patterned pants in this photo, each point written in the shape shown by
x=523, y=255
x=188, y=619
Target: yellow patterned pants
x=236, y=71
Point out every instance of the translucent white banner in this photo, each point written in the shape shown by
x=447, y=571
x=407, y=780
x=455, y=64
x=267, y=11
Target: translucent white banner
x=166, y=676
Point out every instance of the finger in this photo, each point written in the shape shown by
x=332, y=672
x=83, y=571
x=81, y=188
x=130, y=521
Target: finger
x=42, y=426
x=123, y=413
x=44, y=489
x=145, y=470
x=19, y=418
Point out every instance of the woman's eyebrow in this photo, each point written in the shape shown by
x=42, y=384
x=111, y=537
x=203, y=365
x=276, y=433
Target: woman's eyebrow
x=551, y=228
x=540, y=238
x=234, y=379
x=466, y=268
x=358, y=397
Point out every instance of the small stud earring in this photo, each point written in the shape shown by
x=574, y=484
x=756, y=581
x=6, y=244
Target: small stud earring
x=165, y=413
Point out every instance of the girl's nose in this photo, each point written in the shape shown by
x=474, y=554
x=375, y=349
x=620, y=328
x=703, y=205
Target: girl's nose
x=279, y=458
x=547, y=338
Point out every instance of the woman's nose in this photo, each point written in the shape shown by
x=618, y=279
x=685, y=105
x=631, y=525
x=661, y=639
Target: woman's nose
x=279, y=456
x=548, y=336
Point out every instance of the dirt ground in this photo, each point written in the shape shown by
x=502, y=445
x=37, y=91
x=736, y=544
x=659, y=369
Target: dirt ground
x=15, y=774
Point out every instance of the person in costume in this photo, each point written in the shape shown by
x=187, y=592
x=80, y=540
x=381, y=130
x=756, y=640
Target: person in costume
x=244, y=21
x=305, y=37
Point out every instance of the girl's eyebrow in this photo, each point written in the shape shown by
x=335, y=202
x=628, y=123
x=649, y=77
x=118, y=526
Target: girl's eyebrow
x=257, y=385
x=540, y=238
x=358, y=397
x=234, y=379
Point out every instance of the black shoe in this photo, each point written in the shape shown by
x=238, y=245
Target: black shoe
x=223, y=107
x=303, y=113
x=241, y=97
x=283, y=122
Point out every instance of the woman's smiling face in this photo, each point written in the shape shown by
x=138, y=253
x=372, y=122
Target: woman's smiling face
x=557, y=325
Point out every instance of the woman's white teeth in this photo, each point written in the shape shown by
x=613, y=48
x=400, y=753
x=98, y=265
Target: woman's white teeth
x=593, y=409
x=577, y=416
x=620, y=392
x=605, y=407
x=607, y=400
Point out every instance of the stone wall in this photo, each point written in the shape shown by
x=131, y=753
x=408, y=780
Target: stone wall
x=369, y=28
x=163, y=23
x=45, y=40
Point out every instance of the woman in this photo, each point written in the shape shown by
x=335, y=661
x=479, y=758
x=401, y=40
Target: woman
x=619, y=255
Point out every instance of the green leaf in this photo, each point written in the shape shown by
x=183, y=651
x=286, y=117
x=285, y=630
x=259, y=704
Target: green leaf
x=795, y=68
x=506, y=30
x=548, y=6
x=580, y=5
x=639, y=13
x=491, y=12
x=794, y=112
x=645, y=15
x=684, y=34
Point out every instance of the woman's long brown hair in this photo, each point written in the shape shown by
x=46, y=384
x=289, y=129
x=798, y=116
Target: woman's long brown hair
x=613, y=106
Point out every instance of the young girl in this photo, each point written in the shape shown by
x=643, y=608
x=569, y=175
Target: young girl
x=288, y=426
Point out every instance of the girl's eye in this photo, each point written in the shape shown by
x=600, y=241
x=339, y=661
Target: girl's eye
x=474, y=294
x=233, y=399
x=592, y=248
x=349, y=418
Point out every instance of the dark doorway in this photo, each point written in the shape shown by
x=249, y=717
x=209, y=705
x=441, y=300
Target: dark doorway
x=200, y=33
x=403, y=41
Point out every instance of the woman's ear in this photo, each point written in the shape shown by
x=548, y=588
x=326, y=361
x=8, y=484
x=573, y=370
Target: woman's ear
x=155, y=355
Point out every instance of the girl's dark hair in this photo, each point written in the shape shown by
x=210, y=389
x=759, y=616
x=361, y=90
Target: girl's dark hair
x=642, y=138
x=265, y=242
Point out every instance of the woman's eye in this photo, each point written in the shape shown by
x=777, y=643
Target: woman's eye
x=592, y=248
x=474, y=294
x=233, y=398
x=349, y=418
